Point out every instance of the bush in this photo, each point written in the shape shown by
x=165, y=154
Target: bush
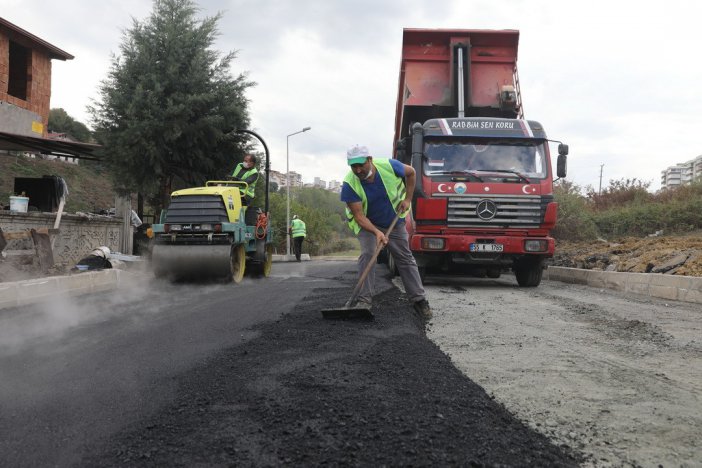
x=575, y=222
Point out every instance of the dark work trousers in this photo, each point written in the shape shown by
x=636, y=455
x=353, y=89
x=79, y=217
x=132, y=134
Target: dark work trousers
x=297, y=246
x=398, y=246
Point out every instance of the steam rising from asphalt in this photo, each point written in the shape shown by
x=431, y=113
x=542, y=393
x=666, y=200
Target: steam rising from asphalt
x=41, y=326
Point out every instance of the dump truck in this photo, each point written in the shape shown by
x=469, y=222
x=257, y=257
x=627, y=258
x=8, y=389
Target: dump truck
x=483, y=202
x=206, y=232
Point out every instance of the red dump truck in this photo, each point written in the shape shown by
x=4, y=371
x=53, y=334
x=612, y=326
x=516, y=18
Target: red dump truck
x=483, y=203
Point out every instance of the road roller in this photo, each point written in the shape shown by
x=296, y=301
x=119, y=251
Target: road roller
x=206, y=233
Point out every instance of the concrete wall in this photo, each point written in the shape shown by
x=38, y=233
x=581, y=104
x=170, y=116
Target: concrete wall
x=78, y=235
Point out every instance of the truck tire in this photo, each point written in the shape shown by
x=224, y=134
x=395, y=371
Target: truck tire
x=529, y=276
x=422, y=273
x=392, y=267
x=493, y=273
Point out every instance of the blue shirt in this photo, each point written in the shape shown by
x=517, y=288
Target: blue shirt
x=380, y=210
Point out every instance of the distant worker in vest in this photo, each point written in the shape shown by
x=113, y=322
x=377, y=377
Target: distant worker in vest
x=298, y=231
x=375, y=191
x=246, y=171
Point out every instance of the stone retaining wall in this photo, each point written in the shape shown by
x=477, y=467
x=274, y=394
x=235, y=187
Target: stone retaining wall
x=78, y=236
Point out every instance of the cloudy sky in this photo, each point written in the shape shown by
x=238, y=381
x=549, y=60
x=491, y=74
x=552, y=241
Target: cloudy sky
x=618, y=81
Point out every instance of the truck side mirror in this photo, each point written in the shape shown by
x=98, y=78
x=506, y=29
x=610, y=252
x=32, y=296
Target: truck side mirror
x=562, y=149
x=562, y=162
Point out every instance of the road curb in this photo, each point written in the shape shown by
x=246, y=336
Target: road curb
x=677, y=288
x=20, y=293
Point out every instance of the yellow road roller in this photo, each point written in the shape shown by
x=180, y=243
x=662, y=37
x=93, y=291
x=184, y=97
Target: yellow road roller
x=207, y=233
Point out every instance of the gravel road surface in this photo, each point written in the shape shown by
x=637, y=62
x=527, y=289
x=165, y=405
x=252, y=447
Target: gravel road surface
x=617, y=377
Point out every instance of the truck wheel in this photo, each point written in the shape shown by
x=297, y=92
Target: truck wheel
x=493, y=272
x=392, y=267
x=422, y=273
x=529, y=276
x=237, y=263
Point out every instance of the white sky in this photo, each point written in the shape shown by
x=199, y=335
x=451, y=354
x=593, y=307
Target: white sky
x=618, y=81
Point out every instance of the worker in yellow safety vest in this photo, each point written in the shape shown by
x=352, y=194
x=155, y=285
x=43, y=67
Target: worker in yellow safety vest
x=376, y=191
x=246, y=171
x=298, y=231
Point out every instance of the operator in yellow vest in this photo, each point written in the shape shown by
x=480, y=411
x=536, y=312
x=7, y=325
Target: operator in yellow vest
x=375, y=191
x=246, y=171
x=298, y=231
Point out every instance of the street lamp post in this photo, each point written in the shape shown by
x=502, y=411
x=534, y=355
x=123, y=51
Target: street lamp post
x=287, y=183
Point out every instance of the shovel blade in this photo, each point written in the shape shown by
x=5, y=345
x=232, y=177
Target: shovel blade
x=348, y=313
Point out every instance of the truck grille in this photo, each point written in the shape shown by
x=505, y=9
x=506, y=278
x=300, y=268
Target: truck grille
x=511, y=211
x=186, y=209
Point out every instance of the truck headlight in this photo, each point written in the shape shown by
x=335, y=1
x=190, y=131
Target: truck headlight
x=535, y=245
x=433, y=243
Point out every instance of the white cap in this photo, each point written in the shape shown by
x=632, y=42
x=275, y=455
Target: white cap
x=357, y=154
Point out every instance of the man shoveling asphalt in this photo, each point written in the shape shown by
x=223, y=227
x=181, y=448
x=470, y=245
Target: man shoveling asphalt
x=375, y=191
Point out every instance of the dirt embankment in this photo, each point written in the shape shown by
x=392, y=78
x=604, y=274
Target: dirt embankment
x=671, y=255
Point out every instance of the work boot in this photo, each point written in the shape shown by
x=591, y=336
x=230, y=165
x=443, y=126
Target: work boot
x=423, y=309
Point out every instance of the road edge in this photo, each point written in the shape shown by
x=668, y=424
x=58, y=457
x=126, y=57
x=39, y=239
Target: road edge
x=676, y=288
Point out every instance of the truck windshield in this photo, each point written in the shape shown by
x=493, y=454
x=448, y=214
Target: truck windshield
x=522, y=158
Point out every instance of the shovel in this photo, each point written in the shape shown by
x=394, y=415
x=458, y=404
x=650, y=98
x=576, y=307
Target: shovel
x=348, y=312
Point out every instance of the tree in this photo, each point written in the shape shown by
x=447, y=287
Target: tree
x=61, y=122
x=168, y=110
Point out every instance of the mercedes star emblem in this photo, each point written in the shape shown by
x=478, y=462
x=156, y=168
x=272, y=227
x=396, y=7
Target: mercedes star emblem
x=486, y=210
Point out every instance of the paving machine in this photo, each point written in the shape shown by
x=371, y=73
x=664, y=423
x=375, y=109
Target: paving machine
x=207, y=233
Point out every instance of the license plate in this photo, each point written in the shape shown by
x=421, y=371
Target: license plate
x=486, y=247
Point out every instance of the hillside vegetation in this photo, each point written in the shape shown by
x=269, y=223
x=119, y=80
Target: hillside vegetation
x=89, y=187
x=626, y=208
x=626, y=228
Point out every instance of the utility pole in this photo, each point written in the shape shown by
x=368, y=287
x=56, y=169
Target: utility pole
x=599, y=192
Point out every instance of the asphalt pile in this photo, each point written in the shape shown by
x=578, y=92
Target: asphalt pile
x=305, y=391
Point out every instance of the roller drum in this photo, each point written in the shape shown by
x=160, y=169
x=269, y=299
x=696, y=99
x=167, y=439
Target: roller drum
x=192, y=261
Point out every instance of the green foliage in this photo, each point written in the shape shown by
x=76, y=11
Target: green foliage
x=675, y=211
x=322, y=213
x=619, y=193
x=169, y=106
x=575, y=222
x=61, y=122
x=626, y=208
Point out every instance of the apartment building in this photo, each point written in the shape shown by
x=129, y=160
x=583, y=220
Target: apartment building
x=682, y=173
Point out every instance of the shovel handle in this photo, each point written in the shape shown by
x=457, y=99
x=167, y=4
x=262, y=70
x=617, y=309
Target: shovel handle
x=371, y=263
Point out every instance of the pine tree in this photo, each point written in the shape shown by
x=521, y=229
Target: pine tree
x=168, y=110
